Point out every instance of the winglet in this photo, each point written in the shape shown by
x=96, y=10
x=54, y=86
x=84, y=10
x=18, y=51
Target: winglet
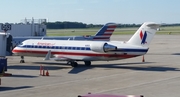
x=48, y=55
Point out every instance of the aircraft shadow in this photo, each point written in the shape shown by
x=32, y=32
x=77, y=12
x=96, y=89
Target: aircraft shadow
x=50, y=63
x=22, y=76
x=82, y=67
x=125, y=66
x=163, y=54
x=13, y=88
x=176, y=54
x=30, y=67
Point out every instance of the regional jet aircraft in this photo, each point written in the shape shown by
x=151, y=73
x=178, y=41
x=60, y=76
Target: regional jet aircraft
x=103, y=34
x=87, y=51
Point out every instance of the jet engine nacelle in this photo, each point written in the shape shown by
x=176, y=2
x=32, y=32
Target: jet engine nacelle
x=102, y=47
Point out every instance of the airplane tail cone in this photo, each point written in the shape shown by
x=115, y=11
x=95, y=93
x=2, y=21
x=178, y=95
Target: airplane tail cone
x=143, y=60
x=47, y=73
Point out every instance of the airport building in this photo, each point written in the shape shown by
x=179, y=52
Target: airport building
x=28, y=27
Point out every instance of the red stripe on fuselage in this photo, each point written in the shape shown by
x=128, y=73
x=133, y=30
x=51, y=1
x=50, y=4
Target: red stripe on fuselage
x=76, y=54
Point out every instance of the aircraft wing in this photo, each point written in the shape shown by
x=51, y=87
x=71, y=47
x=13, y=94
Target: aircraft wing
x=56, y=57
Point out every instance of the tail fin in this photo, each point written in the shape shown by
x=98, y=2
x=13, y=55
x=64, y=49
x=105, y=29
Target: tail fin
x=105, y=32
x=144, y=34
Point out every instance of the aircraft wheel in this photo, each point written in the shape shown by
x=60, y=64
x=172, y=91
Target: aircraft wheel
x=68, y=62
x=74, y=64
x=87, y=63
x=22, y=61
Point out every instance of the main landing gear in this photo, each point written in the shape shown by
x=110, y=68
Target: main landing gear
x=87, y=63
x=75, y=64
x=22, y=59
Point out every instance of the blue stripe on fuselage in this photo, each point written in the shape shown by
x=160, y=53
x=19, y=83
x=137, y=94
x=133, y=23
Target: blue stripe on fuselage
x=81, y=48
x=55, y=47
x=130, y=50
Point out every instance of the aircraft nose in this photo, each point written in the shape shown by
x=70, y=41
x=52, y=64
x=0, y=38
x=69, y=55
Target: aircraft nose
x=14, y=50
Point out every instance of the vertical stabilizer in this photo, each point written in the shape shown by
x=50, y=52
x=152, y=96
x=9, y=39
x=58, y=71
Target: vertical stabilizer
x=105, y=32
x=144, y=34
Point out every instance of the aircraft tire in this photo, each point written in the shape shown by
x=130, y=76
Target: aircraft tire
x=68, y=63
x=74, y=64
x=22, y=61
x=87, y=63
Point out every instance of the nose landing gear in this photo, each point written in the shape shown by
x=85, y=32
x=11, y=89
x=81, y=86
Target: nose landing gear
x=22, y=59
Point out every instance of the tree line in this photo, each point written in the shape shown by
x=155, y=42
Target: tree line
x=68, y=25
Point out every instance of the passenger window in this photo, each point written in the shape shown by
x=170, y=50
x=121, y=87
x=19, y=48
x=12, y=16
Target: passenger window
x=78, y=48
x=87, y=48
x=82, y=48
x=69, y=48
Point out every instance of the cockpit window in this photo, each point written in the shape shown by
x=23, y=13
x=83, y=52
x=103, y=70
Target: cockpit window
x=20, y=45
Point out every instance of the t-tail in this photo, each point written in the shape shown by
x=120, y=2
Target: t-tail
x=105, y=32
x=144, y=34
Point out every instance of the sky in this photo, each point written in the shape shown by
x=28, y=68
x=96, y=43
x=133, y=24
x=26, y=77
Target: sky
x=91, y=11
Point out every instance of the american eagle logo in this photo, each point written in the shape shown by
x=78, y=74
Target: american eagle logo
x=143, y=37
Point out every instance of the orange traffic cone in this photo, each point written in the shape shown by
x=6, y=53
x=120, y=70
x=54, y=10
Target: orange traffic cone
x=143, y=60
x=47, y=73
